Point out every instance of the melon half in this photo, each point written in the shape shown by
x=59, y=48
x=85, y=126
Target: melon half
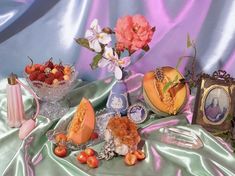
x=170, y=102
x=83, y=123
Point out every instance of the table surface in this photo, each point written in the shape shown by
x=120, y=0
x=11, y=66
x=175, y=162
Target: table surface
x=34, y=155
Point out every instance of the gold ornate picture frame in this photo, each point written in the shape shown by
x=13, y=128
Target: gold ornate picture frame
x=215, y=100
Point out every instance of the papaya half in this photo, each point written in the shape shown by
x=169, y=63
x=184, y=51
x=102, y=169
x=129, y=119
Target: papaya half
x=82, y=124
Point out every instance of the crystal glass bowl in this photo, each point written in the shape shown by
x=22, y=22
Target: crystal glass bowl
x=53, y=103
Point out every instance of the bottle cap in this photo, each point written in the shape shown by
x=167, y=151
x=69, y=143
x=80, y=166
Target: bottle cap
x=12, y=79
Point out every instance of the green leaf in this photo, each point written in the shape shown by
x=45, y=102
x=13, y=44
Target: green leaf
x=83, y=42
x=170, y=83
x=146, y=48
x=189, y=42
x=167, y=86
x=95, y=61
x=179, y=62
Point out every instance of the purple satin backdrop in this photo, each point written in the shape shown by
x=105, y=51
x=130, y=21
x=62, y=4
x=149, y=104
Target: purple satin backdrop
x=42, y=29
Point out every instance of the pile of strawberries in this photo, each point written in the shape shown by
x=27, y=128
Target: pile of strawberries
x=49, y=72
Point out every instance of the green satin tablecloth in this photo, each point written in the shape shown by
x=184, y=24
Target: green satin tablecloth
x=34, y=155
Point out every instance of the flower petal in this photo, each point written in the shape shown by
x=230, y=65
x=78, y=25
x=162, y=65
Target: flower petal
x=109, y=53
x=95, y=26
x=89, y=33
x=104, y=38
x=103, y=63
x=94, y=23
x=94, y=44
x=111, y=67
x=118, y=73
x=125, y=61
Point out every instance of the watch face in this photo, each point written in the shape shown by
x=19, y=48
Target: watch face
x=137, y=113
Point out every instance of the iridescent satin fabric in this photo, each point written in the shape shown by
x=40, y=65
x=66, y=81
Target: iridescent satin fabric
x=34, y=155
x=42, y=29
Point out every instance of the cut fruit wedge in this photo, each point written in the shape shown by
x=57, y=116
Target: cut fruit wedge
x=83, y=123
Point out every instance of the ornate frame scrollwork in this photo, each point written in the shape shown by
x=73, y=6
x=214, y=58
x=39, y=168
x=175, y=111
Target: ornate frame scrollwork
x=218, y=87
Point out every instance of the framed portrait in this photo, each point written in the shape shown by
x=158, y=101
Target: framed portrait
x=214, y=105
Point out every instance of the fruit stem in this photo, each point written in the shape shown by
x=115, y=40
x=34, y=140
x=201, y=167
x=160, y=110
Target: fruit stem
x=30, y=60
x=51, y=59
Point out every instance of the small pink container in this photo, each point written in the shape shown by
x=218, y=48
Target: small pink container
x=15, y=107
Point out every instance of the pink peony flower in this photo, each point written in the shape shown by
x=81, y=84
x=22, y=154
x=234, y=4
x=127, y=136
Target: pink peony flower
x=133, y=32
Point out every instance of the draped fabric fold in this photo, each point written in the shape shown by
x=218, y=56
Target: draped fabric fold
x=34, y=155
x=42, y=29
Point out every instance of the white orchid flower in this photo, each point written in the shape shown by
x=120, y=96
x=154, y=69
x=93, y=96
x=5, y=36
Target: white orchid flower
x=110, y=59
x=95, y=36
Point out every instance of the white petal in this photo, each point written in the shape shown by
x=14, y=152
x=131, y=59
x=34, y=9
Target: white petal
x=95, y=26
x=94, y=23
x=108, y=52
x=104, y=38
x=103, y=63
x=111, y=67
x=125, y=61
x=118, y=73
x=94, y=44
x=89, y=33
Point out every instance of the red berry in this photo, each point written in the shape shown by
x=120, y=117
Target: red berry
x=60, y=78
x=89, y=151
x=60, y=151
x=59, y=67
x=139, y=154
x=50, y=75
x=42, y=68
x=94, y=136
x=92, y=162
x=33, y=76
x=58, y=75
x=49, y=81
x=82, y=157
x=130, y=159
x=49, y=64
x=41, y=77
x=30, y=68
x=37, y=67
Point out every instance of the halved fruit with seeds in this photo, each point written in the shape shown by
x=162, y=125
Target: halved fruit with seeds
x=83, y=123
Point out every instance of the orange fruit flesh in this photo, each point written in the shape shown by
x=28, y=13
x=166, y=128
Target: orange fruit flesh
x=169, y=102
x=82, y=124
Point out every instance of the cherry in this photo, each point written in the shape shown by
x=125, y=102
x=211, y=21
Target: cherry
x=59, y=67
x=30, y=68
x=49, y=81
x=49, y=64
x=41, y=77
x=33, y=76
x=50, y=75
x=58, y=74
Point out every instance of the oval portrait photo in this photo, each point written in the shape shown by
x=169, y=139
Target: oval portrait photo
x=216, y=105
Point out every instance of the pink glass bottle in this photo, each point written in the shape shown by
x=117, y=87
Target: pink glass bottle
x=15, y=107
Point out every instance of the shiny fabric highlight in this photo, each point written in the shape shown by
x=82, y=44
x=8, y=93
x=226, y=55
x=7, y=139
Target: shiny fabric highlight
x=34, y=155
x=43, y=29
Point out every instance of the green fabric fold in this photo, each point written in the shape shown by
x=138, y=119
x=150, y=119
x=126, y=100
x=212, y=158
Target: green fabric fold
x=34, y=155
